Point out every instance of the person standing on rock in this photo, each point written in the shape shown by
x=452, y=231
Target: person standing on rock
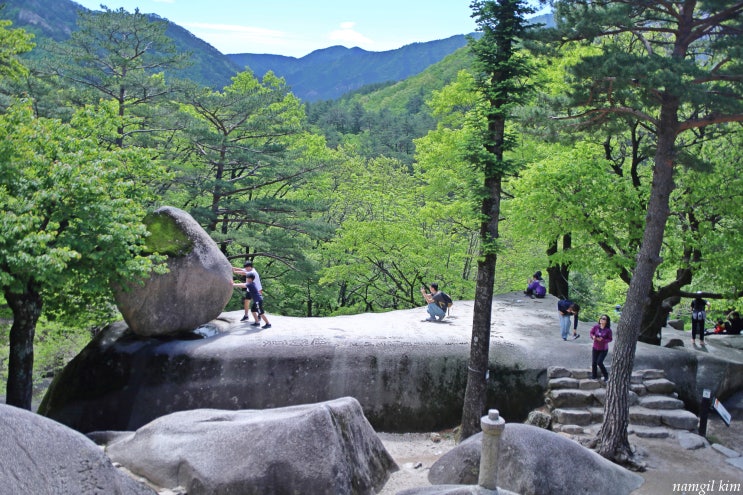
x=699, y=308
x=601, y=336
x=255, y=296
x=566, y=308
x=248, y=268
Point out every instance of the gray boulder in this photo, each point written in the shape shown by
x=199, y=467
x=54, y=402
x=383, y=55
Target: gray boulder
x=41, y=457
x=326, y=448
x=196, y=288
x=536, y=461
x=459, y=466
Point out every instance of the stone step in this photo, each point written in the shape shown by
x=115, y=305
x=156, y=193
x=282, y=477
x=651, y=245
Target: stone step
x=678, y=419
x=576, y=404
x=569, y=397
x=580, y=417
x=659, y=386
x=660, y=402
x=640, y=431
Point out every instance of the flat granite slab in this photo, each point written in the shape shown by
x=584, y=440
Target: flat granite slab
x=408, y=374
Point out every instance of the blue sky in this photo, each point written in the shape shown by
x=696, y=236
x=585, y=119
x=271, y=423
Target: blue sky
x=298, y=27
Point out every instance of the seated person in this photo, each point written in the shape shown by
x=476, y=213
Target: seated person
x=720, y=327
x=536, y=287
x=734, y=325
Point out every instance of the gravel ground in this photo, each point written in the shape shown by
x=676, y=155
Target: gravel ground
x=668, y=463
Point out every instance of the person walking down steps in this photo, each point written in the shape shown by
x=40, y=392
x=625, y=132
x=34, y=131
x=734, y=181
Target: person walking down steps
x=601, y=336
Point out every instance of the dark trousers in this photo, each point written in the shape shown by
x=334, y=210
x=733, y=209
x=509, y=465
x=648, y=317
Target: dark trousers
x=697, y=328
x=597, y=360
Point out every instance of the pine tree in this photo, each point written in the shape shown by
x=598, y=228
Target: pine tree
x=501, y=73
x=675, y=67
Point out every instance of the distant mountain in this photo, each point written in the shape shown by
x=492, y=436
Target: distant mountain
x=329, y=73
x=324, y=74
x=57, y=19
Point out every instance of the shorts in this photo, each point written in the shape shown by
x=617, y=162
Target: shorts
x=257, y=307
x=246, y=296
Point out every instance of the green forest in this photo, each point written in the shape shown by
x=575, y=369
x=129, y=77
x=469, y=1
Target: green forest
x=622, y=133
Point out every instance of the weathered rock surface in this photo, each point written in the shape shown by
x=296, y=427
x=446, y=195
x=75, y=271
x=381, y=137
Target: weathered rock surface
x=407, y=374
x=196, y=288
x=42, y=457
x=459, y=466
x=535, y=461
x=327, y=448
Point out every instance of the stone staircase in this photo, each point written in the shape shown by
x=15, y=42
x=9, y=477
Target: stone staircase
x=576, y=404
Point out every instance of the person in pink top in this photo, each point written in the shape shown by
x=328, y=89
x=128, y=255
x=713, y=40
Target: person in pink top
x=601, y=336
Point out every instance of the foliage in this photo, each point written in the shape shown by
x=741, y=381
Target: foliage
x=119, y=56
x=64, y=196
x=72, y=224
x=245, y=174
x=55, y=345
x=671, y=71
x=388, y=244
x=13, y=42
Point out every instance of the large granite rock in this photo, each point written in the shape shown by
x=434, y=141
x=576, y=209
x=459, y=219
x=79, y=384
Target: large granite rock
x=196, y=288
x=534, y=461
x=42, y=457
x=407, y=374
x=327, y=448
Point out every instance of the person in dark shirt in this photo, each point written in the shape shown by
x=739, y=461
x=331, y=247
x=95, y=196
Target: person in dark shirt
x=437, y=303
x=698, y=317
x=566, y=309
x=256, y=298
x=734, y=325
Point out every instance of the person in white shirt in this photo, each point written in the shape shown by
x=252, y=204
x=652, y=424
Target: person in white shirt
x=248, y=268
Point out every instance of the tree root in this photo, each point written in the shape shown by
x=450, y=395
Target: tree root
x=622, y=455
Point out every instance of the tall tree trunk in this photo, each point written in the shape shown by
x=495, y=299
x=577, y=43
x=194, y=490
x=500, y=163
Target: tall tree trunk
x=655, y=316
x=612, y=439
x=477, y=383
x=559, y=275
x=26, y=309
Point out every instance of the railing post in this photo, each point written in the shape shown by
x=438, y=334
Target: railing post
x=492, y=427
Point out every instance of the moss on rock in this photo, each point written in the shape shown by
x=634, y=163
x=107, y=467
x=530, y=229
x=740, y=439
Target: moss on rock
x=166, y=236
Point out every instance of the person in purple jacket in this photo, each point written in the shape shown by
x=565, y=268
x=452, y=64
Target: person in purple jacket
x=536, y=287
x=601, y=336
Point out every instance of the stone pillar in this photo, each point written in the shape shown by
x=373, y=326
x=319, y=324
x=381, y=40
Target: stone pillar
x=492, y=427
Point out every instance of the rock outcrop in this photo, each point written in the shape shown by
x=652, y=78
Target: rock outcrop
x=535, y=461
x=193, y=292
x=407, y=374
x=42, y=457
x=327, y=448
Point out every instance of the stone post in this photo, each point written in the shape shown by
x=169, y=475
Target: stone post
x=492, y=427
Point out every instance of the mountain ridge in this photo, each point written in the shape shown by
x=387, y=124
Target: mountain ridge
x=323, y=74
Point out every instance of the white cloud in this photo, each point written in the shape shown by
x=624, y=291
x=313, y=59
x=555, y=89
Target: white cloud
x=347, y=35
x=234, y=38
